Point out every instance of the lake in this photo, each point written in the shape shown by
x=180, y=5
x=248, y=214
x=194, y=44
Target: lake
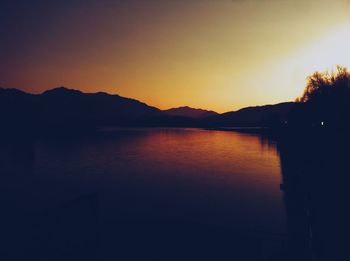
x=151, y=194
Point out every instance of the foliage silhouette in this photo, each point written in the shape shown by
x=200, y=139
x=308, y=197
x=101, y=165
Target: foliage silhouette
x=325, y=101
x=313, y=149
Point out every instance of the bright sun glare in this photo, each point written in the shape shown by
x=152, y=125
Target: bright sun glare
x=329, y=51
x=289, y=74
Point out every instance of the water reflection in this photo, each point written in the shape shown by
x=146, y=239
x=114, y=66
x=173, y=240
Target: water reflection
x=166, y=194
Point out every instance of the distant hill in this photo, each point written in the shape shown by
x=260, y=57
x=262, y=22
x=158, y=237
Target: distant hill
x=65, y=110
x=100, y=108
x=258, y=116
x=16, y=109
x=62, y=108
x=189, y=112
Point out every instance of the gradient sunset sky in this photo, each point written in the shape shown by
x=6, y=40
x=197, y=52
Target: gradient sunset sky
x=214, y=54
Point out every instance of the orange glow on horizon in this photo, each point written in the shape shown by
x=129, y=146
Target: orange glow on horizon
x=215, y=55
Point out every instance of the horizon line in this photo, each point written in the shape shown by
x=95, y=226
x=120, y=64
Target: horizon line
x=115, y=94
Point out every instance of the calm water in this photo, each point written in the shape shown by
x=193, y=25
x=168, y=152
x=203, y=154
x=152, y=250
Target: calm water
x=151, y=193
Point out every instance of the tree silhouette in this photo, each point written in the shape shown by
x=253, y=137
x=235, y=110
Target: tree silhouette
x=325, y=101
x=325, y=86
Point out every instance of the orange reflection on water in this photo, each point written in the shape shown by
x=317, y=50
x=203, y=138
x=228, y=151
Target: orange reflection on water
x=214, y=156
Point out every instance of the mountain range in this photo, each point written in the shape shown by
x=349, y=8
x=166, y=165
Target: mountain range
x=62, y=108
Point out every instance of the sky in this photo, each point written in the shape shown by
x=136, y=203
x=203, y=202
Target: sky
x=213, y=54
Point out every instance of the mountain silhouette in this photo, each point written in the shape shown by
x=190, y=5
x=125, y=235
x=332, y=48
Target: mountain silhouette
x=189, y=112
x=258, y=116
x=64, y=110
x=16, y=109
x=100, y=108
